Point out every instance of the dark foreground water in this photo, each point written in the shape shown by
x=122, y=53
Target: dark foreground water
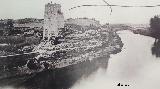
x=62, y=78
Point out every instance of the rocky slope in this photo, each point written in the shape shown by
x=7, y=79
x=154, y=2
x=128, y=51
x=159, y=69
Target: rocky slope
x=80, y=45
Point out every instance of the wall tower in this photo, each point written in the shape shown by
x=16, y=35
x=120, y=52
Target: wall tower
x=53, y=21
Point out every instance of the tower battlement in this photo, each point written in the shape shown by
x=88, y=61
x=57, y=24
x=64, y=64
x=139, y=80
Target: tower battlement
x=53, y=20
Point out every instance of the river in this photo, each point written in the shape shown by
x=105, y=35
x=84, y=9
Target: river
x=134, y=66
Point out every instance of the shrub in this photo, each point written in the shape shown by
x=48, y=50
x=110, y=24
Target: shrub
x=12, y=39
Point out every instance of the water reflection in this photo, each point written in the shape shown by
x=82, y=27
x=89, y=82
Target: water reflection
x=64, y=78
x=156, y=48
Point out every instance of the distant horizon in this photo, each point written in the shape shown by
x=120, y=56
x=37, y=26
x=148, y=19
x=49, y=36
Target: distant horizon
x=19, y=9
x=75, y=18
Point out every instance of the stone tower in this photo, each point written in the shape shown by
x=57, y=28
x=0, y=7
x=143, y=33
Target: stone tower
x=53, y=20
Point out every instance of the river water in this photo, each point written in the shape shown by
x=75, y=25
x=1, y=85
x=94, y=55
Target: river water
x=137, y=65
x=134, y=66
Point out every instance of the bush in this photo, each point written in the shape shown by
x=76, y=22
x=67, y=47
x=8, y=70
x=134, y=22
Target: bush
x=12, y=39
x=17, y=42
x=32, y=40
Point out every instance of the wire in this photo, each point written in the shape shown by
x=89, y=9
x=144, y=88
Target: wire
x=108, y=5
x=113, y=6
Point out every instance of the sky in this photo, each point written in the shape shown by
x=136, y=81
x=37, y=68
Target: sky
x=16, y=9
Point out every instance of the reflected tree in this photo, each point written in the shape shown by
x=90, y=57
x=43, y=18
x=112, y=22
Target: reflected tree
x=156, y=48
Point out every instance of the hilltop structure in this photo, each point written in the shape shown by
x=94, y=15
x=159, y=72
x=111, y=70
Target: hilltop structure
x=83, y=22
x=53, y=21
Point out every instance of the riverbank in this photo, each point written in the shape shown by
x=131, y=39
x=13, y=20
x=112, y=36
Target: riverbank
x=146, y=32
x=97, y=54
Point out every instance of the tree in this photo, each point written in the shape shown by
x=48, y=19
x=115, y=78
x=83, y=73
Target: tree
x=155, y=26
x=10, y=24
x=9, y=27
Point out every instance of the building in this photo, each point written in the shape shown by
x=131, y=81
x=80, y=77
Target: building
x=53, y=21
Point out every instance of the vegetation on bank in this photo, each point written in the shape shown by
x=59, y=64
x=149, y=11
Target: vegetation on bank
x=18, y=39
x=153, y=30
x=15, y=44
x=81, y=43
x=84, y=43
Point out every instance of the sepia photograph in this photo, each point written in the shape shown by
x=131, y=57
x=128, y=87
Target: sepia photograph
x=79, y=44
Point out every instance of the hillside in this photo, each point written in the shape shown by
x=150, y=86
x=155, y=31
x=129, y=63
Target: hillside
x=79, y=44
